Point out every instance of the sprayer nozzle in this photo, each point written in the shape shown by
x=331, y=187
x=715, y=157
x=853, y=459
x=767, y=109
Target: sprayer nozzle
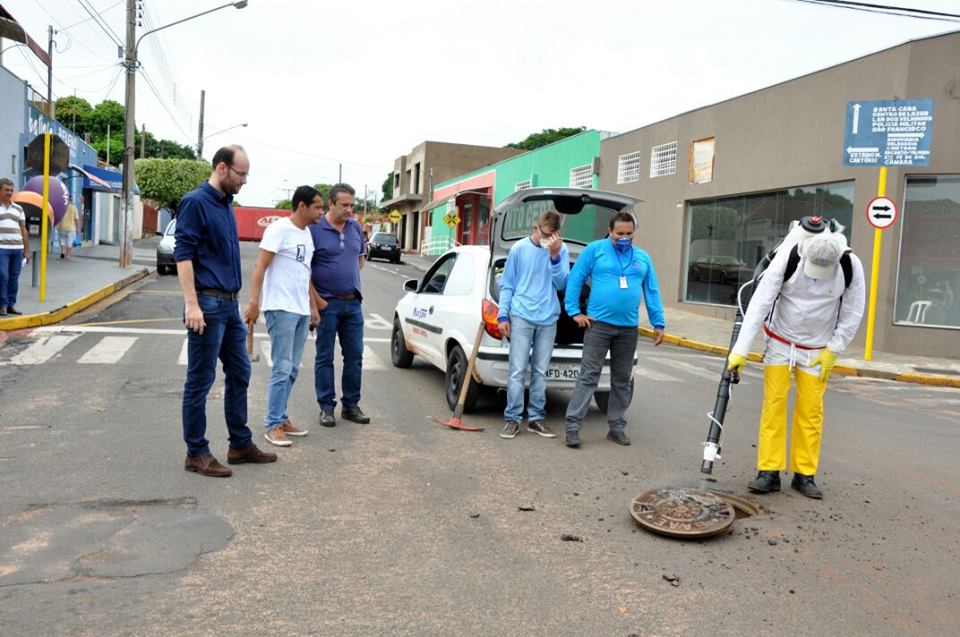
x=706, y=466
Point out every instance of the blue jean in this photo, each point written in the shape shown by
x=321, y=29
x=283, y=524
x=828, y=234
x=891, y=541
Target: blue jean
x=10, y=263
x=288, y=334
x=224, y=337
x=525, y=336
x=344, y=318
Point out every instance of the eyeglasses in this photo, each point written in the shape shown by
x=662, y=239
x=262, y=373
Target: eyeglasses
x=241, y=173
x=341, y=242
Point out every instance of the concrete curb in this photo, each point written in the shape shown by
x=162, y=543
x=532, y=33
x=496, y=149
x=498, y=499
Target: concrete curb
x=936, y=380
x=68, y=310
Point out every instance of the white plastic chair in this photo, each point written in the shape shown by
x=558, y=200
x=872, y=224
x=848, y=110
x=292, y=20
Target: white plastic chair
x=918, y=311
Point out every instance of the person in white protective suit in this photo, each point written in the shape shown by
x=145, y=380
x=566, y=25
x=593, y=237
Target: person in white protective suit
x=808, y=319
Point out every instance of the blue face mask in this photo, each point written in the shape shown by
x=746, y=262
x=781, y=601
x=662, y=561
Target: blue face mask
x=623, y=245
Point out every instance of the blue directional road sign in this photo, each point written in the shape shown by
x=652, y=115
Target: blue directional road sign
x=888, y=133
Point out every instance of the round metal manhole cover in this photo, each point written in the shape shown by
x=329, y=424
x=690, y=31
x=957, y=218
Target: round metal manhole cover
x=685, y=513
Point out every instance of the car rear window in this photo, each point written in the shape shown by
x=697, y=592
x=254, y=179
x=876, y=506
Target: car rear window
x=583, y=226
x=385, y=239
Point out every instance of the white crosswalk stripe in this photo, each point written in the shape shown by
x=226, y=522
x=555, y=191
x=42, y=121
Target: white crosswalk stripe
x=182, y=359
x=691, y=369
x=645, y=373
x=108, y=350
x=43, y=350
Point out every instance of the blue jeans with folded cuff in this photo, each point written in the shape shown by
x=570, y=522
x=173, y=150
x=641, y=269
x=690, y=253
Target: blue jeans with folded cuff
x=288, y=334
x=343, y=318
x=224, y=338
x=531, y=345
x=599, y=339
x=11, y=261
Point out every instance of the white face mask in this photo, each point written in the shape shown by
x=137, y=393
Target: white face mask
x=544, y=244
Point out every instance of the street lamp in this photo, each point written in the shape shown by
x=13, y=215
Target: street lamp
x=130, y=62
x=200, y=149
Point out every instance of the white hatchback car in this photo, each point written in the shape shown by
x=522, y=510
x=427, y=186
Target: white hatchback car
x=439, y=316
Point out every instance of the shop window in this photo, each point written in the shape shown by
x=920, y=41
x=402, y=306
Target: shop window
x=727, y=237
x=628, y=168
x=929, y=270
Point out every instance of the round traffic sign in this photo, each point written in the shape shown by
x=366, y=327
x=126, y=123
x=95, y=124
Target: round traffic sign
x=881, y=212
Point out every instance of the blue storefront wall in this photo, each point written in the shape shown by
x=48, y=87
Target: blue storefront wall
x=13, y=122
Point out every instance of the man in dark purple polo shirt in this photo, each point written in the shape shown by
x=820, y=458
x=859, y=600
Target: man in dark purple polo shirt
x=208, y=266
x=338, y=255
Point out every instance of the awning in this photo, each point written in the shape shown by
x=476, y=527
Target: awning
x=443, y=200
x=103, y=179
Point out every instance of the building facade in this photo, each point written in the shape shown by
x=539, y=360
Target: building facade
x=429, y=163
x=722, y=183
x=471, y=197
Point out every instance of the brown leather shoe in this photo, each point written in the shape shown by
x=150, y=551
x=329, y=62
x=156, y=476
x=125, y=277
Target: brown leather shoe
x=206, y=465
x=249, y=454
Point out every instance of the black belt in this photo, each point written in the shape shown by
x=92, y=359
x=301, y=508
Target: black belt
x=223, y=294
x=344, y=297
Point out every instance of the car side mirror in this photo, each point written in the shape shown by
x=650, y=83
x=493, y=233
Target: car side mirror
x=411, y=285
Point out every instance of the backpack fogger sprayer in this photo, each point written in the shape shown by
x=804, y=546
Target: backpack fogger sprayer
x=799, y=230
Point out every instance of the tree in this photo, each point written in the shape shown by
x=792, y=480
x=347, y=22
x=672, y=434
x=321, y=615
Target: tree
x=166, y=181
x=284, y=204
x=387, y=186
x=73, y=111
x=324, y=190
x=106, y=113
x=546, y=136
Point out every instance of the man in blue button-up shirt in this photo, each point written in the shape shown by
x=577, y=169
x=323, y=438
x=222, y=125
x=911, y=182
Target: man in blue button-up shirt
x=208, y=266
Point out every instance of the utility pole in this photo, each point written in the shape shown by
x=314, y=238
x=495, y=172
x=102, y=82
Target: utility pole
x=203, y=96
x=51, y=111
x=340, y=175
x=108, y=144
x=364, y=198
x=130, y=62
x=143, y=140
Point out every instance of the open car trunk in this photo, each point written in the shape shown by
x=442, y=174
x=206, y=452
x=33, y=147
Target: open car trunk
x=585, y=216
x=568, y=332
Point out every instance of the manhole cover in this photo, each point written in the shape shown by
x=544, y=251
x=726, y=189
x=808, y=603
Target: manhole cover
x=678, y=512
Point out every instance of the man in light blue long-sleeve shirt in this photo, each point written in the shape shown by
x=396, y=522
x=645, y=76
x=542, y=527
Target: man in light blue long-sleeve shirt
x=535, y=271
x=619, y=272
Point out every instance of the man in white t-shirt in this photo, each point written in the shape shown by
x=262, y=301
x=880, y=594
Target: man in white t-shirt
x=282, y=272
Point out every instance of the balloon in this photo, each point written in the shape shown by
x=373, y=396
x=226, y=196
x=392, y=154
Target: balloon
x=58, y=195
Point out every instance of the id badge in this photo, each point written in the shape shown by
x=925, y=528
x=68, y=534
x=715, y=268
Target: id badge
x=623, y=283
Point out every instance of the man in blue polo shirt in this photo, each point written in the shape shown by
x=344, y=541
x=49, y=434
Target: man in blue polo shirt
x=619, y=273
x=208, y=266
x=338, y=255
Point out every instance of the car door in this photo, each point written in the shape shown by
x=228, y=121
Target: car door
x=426, y=333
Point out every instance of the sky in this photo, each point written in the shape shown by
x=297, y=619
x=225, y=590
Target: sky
x=351, y=86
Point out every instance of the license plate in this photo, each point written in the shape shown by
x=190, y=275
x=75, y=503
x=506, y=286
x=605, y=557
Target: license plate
x=563, y=372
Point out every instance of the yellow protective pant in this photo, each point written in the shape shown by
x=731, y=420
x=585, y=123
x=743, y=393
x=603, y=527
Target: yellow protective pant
x=807, y=421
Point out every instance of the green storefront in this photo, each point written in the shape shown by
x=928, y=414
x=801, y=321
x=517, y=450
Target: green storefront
x=470, y=198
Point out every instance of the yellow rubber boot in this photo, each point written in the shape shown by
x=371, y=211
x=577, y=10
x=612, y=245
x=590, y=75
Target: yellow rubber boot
x=807, y=424
x=772, y=439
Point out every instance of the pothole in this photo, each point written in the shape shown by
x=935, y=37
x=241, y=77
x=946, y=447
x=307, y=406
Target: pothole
x=107, y=538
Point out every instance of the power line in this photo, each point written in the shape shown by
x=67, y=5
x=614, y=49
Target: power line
x=300, y=152
x=163, y=103
x=116, y=4
x=95, y=16
x=904, y=12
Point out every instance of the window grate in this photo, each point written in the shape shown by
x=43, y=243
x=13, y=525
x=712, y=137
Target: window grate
x=663, y=160
x=581, y=176
x=628, y=168
x=522, y=185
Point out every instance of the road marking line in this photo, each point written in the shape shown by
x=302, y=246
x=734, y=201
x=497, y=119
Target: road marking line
x=370, y=360
x=691, y=369
x=109, y=350
x=646, y=373
x=377, y=322
x=182, y=359
x=43, y=350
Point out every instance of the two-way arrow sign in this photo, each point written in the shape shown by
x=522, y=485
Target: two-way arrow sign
x=881, y=212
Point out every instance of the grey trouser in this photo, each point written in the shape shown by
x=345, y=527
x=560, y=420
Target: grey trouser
x=621, y=342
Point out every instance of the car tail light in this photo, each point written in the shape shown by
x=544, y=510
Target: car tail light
x=490, y=323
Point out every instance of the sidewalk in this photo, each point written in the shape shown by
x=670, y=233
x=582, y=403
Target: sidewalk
x=90, y=276
x=712, y=335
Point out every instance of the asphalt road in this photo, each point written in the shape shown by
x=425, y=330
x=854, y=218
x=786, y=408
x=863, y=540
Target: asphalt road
x=403, y=527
